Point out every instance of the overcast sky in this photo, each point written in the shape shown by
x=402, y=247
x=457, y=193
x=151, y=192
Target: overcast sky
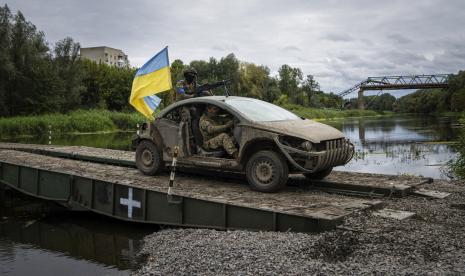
x=339, y=42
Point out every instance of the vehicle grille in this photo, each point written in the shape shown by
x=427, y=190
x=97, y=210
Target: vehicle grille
x=338, y=152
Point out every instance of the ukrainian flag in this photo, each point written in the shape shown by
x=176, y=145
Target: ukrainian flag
x=152, y=78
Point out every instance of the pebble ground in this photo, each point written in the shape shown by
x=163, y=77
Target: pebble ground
x=432, y=242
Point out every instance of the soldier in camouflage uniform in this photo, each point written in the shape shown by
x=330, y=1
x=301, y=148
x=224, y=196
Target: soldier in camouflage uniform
x=213, y=129
x=185, y=89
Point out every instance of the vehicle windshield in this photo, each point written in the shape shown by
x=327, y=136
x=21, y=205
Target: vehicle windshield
x=260, y=111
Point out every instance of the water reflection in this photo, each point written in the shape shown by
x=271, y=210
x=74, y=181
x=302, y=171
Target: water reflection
x=416, y=145
x=112, y=140
x=42, y=238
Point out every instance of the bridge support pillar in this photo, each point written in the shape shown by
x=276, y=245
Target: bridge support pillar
x=361, y=104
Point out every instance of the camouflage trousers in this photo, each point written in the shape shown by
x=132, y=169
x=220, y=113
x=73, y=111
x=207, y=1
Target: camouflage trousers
x=222, y=140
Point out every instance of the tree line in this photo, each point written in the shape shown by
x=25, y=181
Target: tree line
x=36, y=78
x=436, y=100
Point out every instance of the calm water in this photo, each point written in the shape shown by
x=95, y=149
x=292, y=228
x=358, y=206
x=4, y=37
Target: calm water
x=42, y=238
x=401, y=145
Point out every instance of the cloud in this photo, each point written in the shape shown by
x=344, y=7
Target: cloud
x=400, y=39
x=339, y=42
x=337, y=37
x=291, y=48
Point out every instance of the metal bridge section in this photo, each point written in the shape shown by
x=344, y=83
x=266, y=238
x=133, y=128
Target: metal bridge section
x=104, y=181
x=398, y=82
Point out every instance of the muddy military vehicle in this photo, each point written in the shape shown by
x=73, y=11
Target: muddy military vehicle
x=272, y=142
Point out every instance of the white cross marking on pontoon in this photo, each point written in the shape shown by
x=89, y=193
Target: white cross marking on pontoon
x=129, y=202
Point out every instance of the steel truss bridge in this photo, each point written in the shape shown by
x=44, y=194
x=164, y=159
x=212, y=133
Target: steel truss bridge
x=398, y=82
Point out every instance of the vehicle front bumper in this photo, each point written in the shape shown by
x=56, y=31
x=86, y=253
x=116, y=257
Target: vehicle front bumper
x=337, y=152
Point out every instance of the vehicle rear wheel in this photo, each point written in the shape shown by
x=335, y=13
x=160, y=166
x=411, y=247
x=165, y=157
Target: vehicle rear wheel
x=267, y=171
x=318, y=175
x=148, y=159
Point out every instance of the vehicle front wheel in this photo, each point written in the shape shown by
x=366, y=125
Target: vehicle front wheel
x=318, y=175
x=267, y=171
x=148, y=159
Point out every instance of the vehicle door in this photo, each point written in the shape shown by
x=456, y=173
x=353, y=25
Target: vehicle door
x=173, y=133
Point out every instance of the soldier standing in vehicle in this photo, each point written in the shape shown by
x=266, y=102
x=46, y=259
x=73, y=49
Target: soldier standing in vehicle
x=186, y=88
x=213, y=129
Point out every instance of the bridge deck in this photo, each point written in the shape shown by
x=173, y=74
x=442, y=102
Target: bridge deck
x=98, y=155
x=292, y=201
x=202, y=201
x=385, y=184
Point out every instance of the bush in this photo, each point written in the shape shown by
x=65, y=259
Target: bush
x=457, y=165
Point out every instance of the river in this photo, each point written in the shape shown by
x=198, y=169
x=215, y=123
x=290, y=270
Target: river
x=42, y=238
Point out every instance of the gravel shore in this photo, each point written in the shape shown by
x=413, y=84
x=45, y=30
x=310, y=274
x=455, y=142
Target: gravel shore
x=432, y=242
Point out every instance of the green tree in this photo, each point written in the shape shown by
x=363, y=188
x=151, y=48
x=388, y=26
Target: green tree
x=6, y=67
x=289, y=81
x=253, y=80
x=92, y=96
x=310, y=87
x=66, y=61
x=271, y=91
x=457, y=92
x=106, y=86
x=421, y=101
x=228, y=68
x=383, y=102
x=28, y=52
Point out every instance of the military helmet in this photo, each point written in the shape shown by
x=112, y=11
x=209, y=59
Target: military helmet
x=190, y=74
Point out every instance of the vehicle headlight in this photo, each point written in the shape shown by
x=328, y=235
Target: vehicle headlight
x=307, y=146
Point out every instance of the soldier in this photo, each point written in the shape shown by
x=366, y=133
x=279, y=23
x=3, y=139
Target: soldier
x=185, y=89
x=213, y=130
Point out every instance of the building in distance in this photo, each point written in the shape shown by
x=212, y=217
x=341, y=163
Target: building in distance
x=107, y=55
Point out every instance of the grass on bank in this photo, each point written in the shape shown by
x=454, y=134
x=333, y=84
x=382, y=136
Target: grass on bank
x=78, y=121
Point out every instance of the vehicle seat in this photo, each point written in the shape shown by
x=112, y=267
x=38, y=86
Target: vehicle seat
x=198, y=138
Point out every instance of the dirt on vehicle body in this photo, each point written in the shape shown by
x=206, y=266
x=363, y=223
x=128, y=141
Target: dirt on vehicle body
x=271, y=140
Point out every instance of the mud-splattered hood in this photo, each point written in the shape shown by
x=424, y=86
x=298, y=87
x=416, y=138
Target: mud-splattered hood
x=305, y=129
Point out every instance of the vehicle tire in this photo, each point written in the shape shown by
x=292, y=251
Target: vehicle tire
x=267, y=171
x=148, y=159
x=318, y=175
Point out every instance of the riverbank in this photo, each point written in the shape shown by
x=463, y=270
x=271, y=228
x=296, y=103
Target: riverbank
x=93, y=121
x=80, y=121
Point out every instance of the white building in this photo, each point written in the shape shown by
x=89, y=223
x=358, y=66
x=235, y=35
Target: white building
x=107, y=55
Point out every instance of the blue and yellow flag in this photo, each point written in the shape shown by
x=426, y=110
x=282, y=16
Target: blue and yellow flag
x=152, y=78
